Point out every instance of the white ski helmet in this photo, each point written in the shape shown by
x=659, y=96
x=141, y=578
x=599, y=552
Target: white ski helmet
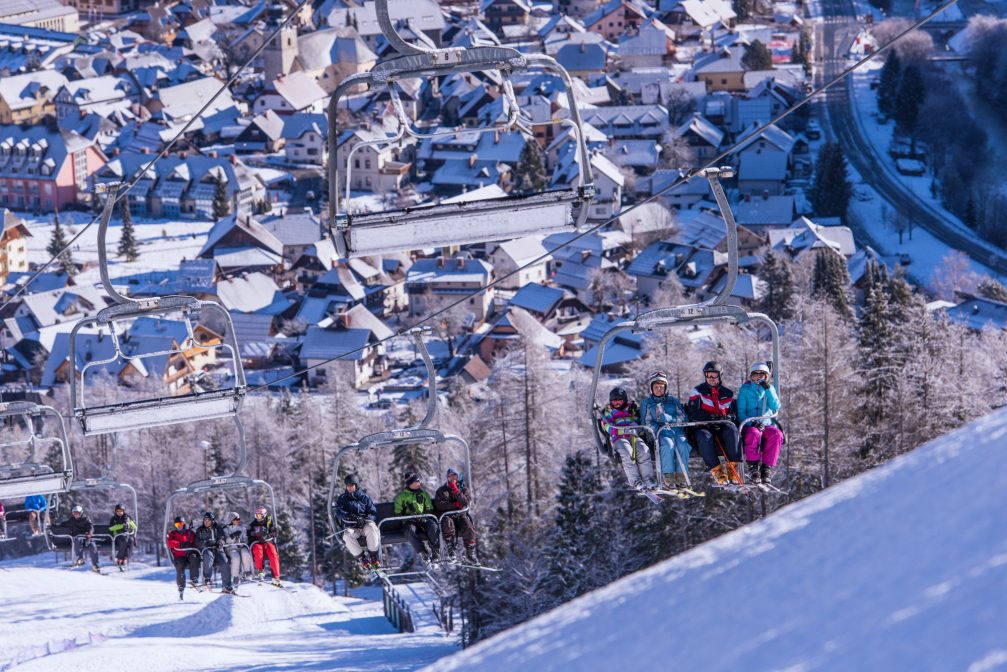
x=759, y=367
x=657, y=377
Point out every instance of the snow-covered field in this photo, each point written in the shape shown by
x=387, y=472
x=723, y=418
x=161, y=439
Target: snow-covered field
x=902, y=568
x=162, y=243
x=54, y=619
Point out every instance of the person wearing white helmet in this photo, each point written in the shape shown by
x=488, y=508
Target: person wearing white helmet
x=236, y=547
x=80, y=530
x=659, y=409
x=762, y=437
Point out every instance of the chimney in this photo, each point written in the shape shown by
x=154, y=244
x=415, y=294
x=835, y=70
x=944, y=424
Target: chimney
x=440, y=262
x=496, y=137
x=115, y=152
x=183, y=154
x=146, y=150
x=765, y=194
x=234, y=159
x=461, y=263
x=584, y=254
x=472, y=161
x=213, y=155
x=344, y=320
x=975, y=308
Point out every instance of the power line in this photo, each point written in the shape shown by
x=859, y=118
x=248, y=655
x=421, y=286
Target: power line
x=677, y=183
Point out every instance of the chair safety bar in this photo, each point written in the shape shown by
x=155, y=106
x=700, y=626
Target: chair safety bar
x=143, y=413
x=465, y=221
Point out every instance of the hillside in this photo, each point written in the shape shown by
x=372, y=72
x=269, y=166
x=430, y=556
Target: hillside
x=902, y=568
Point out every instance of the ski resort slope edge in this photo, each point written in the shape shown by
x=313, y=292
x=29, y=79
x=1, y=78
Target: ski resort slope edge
x=901, y=568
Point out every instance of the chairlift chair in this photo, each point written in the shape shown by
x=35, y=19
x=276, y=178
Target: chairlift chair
x=713, y=311
x=388, y=523
x=31, y=477
x=462, y=221
x=103, y=483
x=154, y=412
x=234, y=481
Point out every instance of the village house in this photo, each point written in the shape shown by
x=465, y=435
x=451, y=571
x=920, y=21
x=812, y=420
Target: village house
x=29, y=98
x=43, y=169
x=13, y=245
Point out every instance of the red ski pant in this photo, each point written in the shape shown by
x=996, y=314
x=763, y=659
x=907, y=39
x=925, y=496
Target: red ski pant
x=269, y=548
x=763, y=445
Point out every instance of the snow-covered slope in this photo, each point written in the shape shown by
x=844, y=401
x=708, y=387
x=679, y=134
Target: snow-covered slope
x=54, y=619
x=903, y=568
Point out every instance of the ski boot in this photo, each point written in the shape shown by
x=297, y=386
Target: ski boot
x=767, y=475
x=262, y=577
x=195, y=586
x=227, y=591
x=754, y=475
x=734, y=473
x=78, y=563
x=207, y=586
x=451, y=556
x=276, y=582
x=470, y=555
x=94, y=568
x=719, y=475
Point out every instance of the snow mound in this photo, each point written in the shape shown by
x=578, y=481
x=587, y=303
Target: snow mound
x=901, y=568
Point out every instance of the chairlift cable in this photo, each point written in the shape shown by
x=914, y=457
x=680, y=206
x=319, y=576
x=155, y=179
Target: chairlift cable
x=677, y=183
x=161, y=154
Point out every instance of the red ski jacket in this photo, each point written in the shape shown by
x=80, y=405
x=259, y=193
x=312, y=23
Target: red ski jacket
x=178, y=539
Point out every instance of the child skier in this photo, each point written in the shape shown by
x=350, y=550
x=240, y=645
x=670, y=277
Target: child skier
x=636, y=461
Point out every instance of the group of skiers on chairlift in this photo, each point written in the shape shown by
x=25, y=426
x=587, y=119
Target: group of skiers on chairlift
x=80, y=529
x=709, y=420
x=231, y=549
x=450, y=502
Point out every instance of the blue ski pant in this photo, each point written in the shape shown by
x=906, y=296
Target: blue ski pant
x=671, y=442
x=728, y=436
x=81, y=544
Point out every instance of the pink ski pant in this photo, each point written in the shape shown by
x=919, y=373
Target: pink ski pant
x=763, y=445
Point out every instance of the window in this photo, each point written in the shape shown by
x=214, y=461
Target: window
x=367, y=164
x=356, y=163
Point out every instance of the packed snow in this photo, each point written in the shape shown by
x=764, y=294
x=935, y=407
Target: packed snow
x=901, y=568
x=55, y=619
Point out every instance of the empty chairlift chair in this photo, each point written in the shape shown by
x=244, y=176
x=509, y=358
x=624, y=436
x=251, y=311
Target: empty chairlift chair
x=28, y=426
x=151, y=412
x=461, y=221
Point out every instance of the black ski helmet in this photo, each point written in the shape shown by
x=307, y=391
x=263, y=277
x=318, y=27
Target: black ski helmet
x=352, y=479
x=209, y=514
x=180, y=519
x=618, y=393
x=713, y=366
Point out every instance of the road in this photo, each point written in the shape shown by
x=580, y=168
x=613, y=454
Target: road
x=834, y=34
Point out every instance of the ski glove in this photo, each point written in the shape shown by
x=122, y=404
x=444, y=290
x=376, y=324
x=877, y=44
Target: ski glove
x=764, y=384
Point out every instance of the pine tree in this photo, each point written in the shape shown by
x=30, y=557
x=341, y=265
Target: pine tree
x=912, y=93
x=888, y=84
x=832, y=189
x=757, y=56
x=573, y=546
x=797, y=56
x=292, y=560
x=221, y=204
x=530, y=175
x=877, y=371
x=57, y=243
x=778, y=302
x=127, y=241
x=830, y=281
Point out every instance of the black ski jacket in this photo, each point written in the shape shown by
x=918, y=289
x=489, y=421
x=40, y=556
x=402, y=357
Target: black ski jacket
x=209, y=537
x=261, y=531
x=350, y=507
x=77, y=527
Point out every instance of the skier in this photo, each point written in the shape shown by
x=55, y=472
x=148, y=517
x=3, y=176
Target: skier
x=450, y=497
x=658, y=410
x=422, y=532
x=635, y=454
x=762, y=438
x=80, y=529
x=236, y=547
x=357, y=512
x=37, y=507
x=711, y=401
x=121, y=524
x=209, y=541
x=262, y=539
x=182, y=544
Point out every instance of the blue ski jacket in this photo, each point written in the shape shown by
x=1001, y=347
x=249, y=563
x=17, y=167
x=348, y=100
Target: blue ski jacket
x=656, y=411
x=755, y=400
x=36, y=503
x=351, y=506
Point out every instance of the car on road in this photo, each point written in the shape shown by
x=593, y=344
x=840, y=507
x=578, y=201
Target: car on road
x=813, y=130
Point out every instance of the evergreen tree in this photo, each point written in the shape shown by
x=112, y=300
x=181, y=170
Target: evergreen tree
x=832, y=189
x=797, y=55
x=743, y=8
x=992, y=289
x=530, y=175
x=127, y=241
x=57, y=242
x=877, y=371
x=830, y=281
x=888, y=84
x=292, y=560
x=912, y=93
x=221, y=204
x=778, y=302
x=757, y=56
x=573, y=546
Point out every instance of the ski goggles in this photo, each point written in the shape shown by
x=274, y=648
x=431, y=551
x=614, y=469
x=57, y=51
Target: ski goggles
x=759, y=374
x=179, y=525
